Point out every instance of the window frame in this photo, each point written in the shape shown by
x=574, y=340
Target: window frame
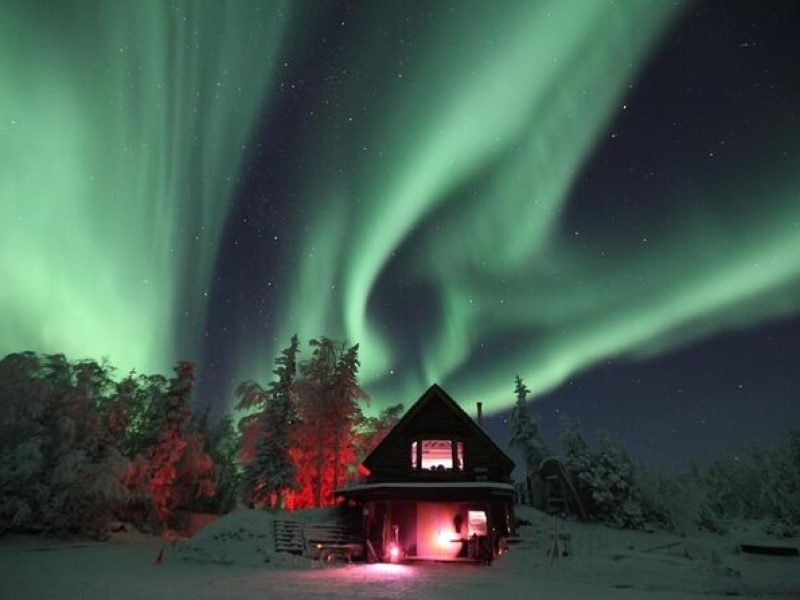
x=457, y=450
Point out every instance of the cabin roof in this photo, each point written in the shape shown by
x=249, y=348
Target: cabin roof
x=433, y=393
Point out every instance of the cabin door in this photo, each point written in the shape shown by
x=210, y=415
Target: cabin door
x=438, y=535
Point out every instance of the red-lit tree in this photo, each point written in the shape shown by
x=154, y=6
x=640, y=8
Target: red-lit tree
x=346, y=413
x=328, y=412
x=313, y=436
x=179, y=469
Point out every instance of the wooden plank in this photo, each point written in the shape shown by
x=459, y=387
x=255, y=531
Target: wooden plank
x=288, y=536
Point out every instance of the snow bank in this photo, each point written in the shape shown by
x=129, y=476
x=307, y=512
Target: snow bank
x=245, y=537
x=654, y=560
x=227, y=560
x=601, y=557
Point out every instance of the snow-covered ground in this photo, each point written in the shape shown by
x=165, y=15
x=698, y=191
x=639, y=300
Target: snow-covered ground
x=233, y=558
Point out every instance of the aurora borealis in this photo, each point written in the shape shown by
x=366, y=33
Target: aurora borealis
x=122, y=137
x=469, y=190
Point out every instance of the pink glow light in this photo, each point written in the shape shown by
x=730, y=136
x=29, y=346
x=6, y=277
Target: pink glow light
x=444, y=539
x=382, y=569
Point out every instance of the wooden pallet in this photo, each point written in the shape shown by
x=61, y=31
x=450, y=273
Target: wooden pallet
x=288, y=536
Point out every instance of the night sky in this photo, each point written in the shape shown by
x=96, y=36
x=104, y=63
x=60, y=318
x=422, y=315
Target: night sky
x=600, y=196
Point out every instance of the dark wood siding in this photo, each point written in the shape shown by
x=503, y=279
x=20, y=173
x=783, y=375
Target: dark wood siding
x=436, y=420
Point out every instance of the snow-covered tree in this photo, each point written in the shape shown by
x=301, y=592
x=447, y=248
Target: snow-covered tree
x=525, y=437
x=269, y=471
x=78, y=448
x=616, y=497
x=764, y=483
x=315, y=431
x=328, y=414
x=345, y=412
x=179, y=469
x=677, y=502
x=23, y=440
x=59, y=468
x=605, y=480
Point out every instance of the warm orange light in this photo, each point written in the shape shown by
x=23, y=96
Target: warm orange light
x=444, y=539
x=438, y=534
x=394, y=552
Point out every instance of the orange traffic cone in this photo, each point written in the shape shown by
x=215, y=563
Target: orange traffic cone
x=160, y=556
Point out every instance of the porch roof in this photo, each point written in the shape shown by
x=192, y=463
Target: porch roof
x=427, y=490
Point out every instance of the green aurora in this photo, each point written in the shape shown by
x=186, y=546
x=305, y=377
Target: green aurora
x=123, y=131
x=126, y=128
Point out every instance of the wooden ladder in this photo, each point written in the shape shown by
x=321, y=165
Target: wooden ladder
x=555, y=495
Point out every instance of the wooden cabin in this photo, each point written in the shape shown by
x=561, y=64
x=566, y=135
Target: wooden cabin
x=438, y=487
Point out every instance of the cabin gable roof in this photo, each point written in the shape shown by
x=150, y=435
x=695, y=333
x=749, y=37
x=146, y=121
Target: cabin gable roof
x=411, y=423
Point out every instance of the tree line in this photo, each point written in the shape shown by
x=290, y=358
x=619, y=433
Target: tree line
x=81, y=449
x=616, y=490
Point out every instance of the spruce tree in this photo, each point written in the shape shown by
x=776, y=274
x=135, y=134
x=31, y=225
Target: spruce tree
x=525, y=435
x=271, y=471
x=345, y=412
x=280, y=417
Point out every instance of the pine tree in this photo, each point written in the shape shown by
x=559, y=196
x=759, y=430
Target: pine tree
x=266, y=433
x=616, y=496
x=345, y=412
x=606, y=480
x=280, y=473
x=525, y=436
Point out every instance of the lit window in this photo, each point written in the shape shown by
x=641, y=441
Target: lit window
x=437, y=455
x=476, y=523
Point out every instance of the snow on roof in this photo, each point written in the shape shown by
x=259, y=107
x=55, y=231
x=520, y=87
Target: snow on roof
x=458, y=485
